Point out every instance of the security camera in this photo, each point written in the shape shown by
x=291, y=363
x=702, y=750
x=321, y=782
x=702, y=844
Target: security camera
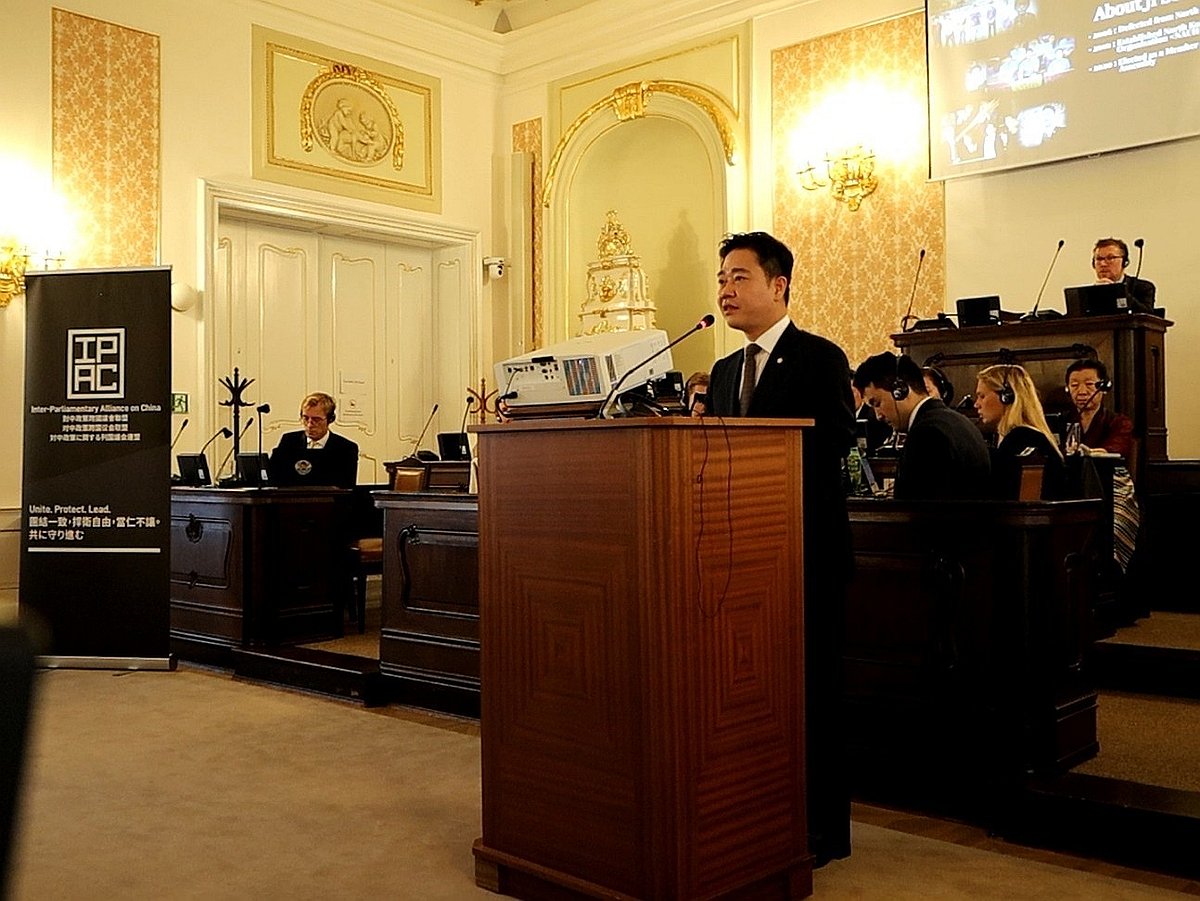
x=494, y=266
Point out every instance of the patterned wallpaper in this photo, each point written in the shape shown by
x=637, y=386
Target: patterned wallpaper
x=527, y=138
x=107, y=139
x=855, y=269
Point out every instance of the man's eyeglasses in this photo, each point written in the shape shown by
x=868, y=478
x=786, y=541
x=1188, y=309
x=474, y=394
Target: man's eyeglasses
x=1107, y=258
x=312, y=418
x=1082, y=386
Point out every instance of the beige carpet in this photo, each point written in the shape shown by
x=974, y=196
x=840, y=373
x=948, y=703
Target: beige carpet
x=191, y=785
x=1163, y=629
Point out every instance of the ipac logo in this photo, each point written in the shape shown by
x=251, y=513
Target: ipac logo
x=95, y=363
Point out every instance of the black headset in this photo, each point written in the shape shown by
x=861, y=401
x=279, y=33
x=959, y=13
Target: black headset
x=900, y=388
x=1006, y=393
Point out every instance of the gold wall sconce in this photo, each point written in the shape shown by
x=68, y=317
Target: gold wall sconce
x=15, y=260
x=849, y=174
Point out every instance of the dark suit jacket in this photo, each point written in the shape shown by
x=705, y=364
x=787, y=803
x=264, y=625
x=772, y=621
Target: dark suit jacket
x=293, y=464
x=944, y=457
x=1140, y=294
x=805, y=378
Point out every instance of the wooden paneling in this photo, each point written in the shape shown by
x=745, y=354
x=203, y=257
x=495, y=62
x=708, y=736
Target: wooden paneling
x=257, y=567
x=429, y=631
x=641, y=603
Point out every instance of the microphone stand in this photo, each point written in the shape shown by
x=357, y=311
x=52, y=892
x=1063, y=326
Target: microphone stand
x=1048, y=314
x=912, y=297
x=704, y=323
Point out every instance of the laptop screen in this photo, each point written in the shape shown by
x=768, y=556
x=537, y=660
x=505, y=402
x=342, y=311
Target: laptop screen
x=193, y=470
x=1104, y=299
x=454, y=446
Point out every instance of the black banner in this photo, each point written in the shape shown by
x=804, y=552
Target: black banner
x=95, y=562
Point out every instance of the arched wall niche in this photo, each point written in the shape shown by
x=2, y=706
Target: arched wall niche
x=667, y=174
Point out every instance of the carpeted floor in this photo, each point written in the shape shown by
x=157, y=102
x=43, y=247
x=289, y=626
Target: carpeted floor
x=1162, y=629
x=192, y=785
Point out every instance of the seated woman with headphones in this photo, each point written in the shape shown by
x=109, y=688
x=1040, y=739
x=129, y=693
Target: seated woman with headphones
x=1007, y=402
x=1101, y=429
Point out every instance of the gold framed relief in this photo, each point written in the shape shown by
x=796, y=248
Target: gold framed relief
x=333, y=121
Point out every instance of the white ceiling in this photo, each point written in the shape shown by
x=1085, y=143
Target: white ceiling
x=491, y=15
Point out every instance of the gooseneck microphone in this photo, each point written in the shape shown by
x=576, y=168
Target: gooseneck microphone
x=221, y=433
x=470, y=403
x=1049, y=314
x=421, y=437
x=244, y=430
x=908, y=314
x=700, y=326
x=1139, y=244
x=182, y=426
x=262, y=410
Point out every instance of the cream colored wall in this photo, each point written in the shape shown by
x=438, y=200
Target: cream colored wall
x=206, y=120
x=1001, y=229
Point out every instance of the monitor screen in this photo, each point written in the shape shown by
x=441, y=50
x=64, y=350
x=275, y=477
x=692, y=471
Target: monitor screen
x=1019, y=82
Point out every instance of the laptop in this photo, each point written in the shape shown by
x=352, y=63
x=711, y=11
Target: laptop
x=193, y=470
x=1105, y=299
x=252, y=470
x=454, y=446
x=973, y=311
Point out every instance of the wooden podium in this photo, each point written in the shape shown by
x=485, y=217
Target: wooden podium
x=641, y=620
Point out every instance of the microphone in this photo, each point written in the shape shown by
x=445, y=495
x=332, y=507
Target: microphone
x=470, y=403
x=262, y=410
x=704, y=323
x=421, y=437
x=222, y=433
x=908, y=313
x=506, y=394
x=245, y=429
x=1048, y=314
x=1139, y=244
x=182, y=426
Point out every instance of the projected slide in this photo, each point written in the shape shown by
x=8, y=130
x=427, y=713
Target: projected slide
x=1018, y=82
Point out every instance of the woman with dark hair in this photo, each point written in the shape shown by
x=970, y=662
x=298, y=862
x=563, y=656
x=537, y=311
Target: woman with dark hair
x=938, y=385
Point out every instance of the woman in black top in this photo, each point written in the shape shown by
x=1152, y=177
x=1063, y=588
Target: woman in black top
x=1007, y=402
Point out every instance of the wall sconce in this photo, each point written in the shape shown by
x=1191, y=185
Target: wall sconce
x=15, y=260
x=849, y=175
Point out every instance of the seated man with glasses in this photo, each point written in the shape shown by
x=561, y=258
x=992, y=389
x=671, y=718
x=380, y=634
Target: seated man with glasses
x=1110, y=257
x=315, y=455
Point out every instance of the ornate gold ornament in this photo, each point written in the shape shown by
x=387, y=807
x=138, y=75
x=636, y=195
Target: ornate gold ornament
x=349, y=114
x=13, y=262
x=849, y=174
x=618, y=296
x=630, y=101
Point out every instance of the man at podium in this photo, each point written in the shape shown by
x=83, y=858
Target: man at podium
x=315, y=455
x=1110, y=258
x=784, y=372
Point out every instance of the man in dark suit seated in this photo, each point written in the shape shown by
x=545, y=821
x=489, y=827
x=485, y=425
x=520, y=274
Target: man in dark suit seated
x=315, y=455
x=944, y=456
x=1110, y=257
x=784, y=372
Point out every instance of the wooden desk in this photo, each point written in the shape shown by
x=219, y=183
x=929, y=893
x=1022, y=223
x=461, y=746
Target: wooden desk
x=641, y=601
x=967, y=625
x=1131, y=345
x=429, y=634
x=256, y=567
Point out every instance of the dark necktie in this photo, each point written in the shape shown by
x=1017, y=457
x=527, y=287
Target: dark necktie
x=749, y=371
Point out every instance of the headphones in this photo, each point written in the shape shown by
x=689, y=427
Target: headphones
x=323, y=399
x=900, y=387
x=1006, y=393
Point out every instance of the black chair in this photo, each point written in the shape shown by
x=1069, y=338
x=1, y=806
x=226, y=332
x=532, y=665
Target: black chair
x=16, y=692
x=366, y=547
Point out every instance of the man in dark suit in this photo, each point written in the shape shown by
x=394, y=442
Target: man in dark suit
x=1110, y=257
x=315, y=455
x=944, y=454
x=798, y=375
